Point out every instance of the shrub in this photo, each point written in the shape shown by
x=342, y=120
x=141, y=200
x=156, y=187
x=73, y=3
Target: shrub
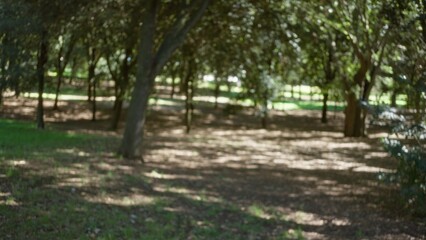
x=405, y=143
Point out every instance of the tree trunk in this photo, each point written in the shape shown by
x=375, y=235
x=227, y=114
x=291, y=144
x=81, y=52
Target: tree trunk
x=149, y=65
x=73, y=70
x=94, y=101
x=121, y=90
x=300, y=92
x=41, y=62
x=393, y=98
x=117, y=114
x=131, y=145
x=89, y=90
x=292, y=91
x=172, y=93
x=353, y=118
x=216, y=93
x=58, y=87
x=265, y=109
x=133, y=134
x=324, y=107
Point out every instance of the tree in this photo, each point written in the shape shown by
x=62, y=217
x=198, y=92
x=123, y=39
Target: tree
x=151, y=59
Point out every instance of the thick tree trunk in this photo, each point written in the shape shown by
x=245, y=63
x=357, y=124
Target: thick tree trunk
x=292, y=91
x=131, y=145
x=149, y=65
x=41, y=62
x=324, y=107
x=353, y=118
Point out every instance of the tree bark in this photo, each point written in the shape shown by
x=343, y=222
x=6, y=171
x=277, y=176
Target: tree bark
x=41, y=62
x=324, y=107
x=393, y=98
x=353, y=117
x=265, y=109
x=149, y=65
x=62, y=62
x=216, y=92
x=121, y=88
x=131, y=145
x=172, y=93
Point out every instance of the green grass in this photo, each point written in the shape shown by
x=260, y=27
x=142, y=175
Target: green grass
x=23, y=140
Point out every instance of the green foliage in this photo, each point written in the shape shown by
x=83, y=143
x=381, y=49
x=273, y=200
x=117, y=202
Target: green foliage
x=409, y=151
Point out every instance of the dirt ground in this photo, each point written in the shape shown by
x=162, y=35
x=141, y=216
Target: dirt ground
x=303, y=174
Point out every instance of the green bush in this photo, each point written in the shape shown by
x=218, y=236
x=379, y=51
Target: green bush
x=405, y=143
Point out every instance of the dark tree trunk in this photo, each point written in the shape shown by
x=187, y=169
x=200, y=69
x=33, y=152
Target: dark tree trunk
x=189, y=95
x=62, y=62
x=73, y=70
x=1, y=97
x=131, y=145
x=393, y=98
x=117, y=114
x=89, y=90
x=265, y=109
x=172, y=93
x=353, y=118
x=292, y=91
x=58, y=87
x=91, y=79
x=300, y=92
x=324, y=107
x=216, y=93
x=94, y=101
x=121, y=90
x=41, y=62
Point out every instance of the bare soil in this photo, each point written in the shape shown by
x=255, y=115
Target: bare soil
x=301, y=173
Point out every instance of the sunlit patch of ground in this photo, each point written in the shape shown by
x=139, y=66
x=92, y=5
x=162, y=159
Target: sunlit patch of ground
x=227, y=179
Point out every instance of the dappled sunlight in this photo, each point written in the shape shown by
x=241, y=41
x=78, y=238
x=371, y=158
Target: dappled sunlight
x=230, y=175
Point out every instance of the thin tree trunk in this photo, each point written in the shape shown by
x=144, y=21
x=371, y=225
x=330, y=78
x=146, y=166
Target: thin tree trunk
x=62, y=62
x=89, y=91
x=94, y=101
x=58, y=87
x=172, y=93
x=73, y=70
x=216, y=93
x=324, y=107
x=265, y=110
x=300, y=92
x=121, y=90
x=393, y=98
x=41, y=62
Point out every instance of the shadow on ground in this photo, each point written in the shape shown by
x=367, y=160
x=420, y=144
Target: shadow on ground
x=228, y=179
